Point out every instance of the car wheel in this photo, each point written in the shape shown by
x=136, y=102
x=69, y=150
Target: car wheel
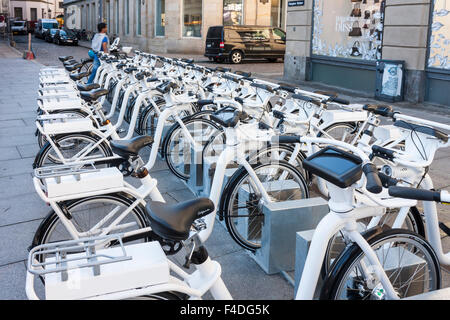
x=236, y=57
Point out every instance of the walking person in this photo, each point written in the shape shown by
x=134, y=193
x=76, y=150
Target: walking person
x=100, y=42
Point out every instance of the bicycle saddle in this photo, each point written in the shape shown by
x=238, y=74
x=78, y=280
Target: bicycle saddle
x=86, y=60
x=128, y=148
x=121, y=65
x=173, y=222
x=130, y=70
x=69, y=62
x=64, y=58
x=78, y=76
x=93, y=94
x=379, y=109
x=87, y=87
x=166, y=86
x=229, y=121
x=74, y=67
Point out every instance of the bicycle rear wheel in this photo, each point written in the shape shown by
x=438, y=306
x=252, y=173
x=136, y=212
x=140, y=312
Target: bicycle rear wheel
x=407, y=258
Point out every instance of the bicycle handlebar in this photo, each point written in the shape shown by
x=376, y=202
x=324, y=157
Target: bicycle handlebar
x=419, y=194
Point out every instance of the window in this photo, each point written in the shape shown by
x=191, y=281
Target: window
x=348, y=29
x=279, y=34
x=261, y=35
x=43, y=13
x=192, y=18
x=127, y=16
x=61, y=4
x=232, y=12
x=94, y=18
x=50, y=25
x=18, y=13
x=160, y=20
x=138, y=17
x=33, y=14
x=439, y=55
x=88, y=17
x=116, y=19
x=276, y=15
x=108, y=15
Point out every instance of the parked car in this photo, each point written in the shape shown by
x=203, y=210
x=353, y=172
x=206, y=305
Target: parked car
x=65, y=37
x=235, y=43
x=44, y=25
x=19, y=27
x=50, y=34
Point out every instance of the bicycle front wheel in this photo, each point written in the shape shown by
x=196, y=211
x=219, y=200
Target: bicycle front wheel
x=242, y=208
x=407, y=258
x=177, y=146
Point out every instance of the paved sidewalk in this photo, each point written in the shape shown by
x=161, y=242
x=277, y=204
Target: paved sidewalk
x=21, y=210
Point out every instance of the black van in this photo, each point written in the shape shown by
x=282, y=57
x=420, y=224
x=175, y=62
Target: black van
x=234, y=43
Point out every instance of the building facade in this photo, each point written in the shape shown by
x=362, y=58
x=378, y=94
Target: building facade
x=33, y=10
x=338, y=42
x=172, y=26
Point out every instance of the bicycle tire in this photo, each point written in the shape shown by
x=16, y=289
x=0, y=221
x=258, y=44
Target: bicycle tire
x=341, y=267
x=168, y=142
x=47, y=148
x=234, y=182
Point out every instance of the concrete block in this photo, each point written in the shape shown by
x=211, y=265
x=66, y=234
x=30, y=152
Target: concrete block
x=414, y=57
x=414, y=15
x=405, y=36
x=295, y=67
x=282, y=220
x=299, y=18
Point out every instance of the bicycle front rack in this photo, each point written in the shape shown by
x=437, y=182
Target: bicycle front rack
x=74, y=254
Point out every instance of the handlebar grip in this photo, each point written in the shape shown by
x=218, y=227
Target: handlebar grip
x=415, y=194
x=286, y=139
x=339, y=100
x=373, y=184
x=384, y=153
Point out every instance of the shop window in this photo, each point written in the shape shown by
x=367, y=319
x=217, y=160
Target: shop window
x=192, y=21
x=439, y=56
x=160, y=27
x=348, y=28
x=232, y=12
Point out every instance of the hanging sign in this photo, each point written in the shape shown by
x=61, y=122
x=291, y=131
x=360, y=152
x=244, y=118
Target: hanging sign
x=296, y=3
